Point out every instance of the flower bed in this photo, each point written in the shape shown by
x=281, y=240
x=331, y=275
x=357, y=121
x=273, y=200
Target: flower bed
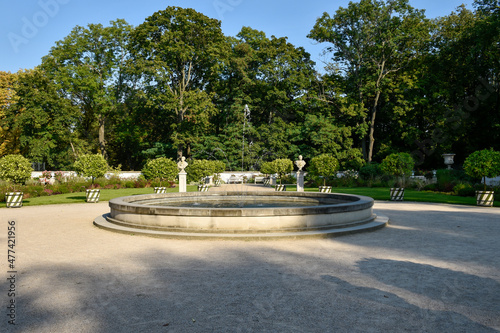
x=62, y=185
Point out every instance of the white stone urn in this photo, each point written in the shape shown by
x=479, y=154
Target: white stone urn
x=448, y=159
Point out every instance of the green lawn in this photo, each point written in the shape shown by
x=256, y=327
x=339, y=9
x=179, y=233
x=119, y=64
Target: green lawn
x=382, y=193
x=79, y=197
x=378, y=193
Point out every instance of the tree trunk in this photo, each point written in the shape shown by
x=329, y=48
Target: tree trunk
x=102, y=140
x=363, y=149
x=371, y=136
x=179, y=152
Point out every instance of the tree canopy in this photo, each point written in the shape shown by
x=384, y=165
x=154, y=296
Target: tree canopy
x=175, y=85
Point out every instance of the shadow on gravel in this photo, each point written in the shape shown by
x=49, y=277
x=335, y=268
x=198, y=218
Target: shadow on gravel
x=453, y=288
x=426, y=320
x=258, y=289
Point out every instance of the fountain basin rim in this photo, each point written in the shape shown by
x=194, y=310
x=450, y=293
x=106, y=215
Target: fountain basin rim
x=351, y=203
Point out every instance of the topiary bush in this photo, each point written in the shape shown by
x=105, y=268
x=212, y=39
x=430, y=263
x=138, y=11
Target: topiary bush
x=282, y=166
x=91, y=165
x=161, y=169
x=267, y=168
x=325, y=166
x=399, y=165
x=15, y=168
x=483, y=163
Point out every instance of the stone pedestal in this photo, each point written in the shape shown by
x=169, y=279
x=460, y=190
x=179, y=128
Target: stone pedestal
x=300, y=181
x=182, y=182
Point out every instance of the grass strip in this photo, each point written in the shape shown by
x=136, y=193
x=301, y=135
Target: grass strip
x=377, y=193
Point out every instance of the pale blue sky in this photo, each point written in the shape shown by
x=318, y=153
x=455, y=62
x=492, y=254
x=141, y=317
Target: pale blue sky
x=29, y=28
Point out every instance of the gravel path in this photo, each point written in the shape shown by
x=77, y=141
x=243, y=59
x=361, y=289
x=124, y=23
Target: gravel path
x=435, y=268
x=241, y=187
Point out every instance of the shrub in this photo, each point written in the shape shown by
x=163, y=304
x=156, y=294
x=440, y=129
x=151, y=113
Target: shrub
x=370, y=171
x=129, y=184
x=197, y=170
x=93, y=166
x=464, y=190
x=35, y=191
x=141, y=182
x=15, y=168
x=417, y=184
x=431, y=187
x=448, y=178
x=58, y=175
x=162, y=169
x=48, y=191
x=115, y=180
x=218, y=167
x=325, y=166
x=289, y=179
x=61, y=188
x=101, y=182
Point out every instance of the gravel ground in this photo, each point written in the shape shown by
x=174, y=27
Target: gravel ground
x=435, y=268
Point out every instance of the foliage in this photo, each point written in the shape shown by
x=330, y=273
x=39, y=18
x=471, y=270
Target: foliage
x=218, y=166
x=483, y=163
x=281, y=166
x=198, y=170
x=89, y=165
x=88, y=66
x=371, y=40
x=163, y=169
x=289, y=179
x=324, y=165
x=376, y=193
x=9, y=143
x=399, y=165
x=175, y=53
x=15, y=168
x=395, y=81
x=448, y=178
x=464, y=190
x=267, y=168
x=370, y=171
x=42, y=119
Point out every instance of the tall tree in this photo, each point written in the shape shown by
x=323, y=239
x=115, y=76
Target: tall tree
x=371, y=40
x=88, y=65
x=8, y=137
x=461, y=84
x=272, y=76
x=43, y=119
x=176, y=53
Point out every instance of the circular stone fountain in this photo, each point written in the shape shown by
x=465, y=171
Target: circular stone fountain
x=241, y=215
